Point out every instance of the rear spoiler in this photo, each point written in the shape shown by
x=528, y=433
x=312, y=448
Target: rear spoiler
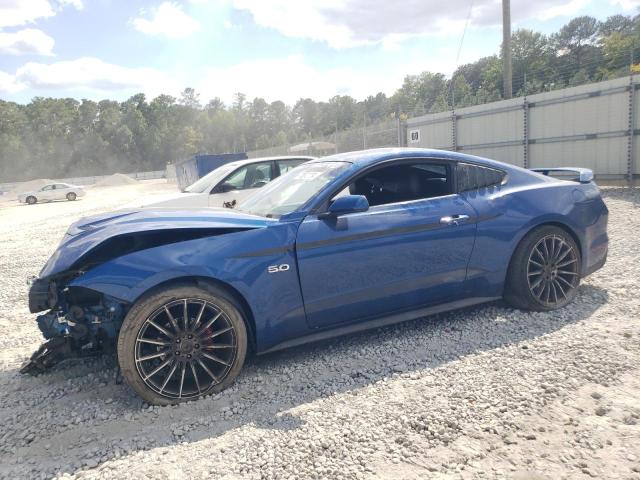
x=585, y=175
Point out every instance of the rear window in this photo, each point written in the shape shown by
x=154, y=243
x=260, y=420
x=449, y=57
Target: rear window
x=473, y=177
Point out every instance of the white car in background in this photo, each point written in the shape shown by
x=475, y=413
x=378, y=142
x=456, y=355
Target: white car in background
x=51, y=192
x=230, y=182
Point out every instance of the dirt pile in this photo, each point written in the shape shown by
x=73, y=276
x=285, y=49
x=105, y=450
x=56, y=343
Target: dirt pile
x=29, y=186
x=115, y=180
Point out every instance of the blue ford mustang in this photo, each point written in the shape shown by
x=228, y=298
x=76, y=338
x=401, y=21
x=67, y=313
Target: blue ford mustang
x=339, y=244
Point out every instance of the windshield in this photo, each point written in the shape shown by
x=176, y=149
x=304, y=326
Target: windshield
x=206, y=183
x=292, y=190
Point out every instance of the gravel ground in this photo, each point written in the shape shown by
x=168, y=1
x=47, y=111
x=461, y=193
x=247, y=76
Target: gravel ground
x=488, y=392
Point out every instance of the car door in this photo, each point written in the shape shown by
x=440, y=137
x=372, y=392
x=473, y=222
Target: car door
x=46, y=192
x=397, y=256
x=60, y=191
x=243, y=181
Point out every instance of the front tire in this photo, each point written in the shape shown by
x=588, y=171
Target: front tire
x=71, y=196
x=182, y=343
x=544, y=273
x=31, y=200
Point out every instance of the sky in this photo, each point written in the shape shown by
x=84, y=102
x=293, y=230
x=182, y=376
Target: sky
x=274, y=49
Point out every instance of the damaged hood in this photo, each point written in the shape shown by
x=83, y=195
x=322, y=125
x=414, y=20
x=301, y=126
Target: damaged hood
x=88, y=233
x=175, y=200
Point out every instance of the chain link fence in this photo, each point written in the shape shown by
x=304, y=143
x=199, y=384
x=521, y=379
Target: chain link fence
x=390, y=133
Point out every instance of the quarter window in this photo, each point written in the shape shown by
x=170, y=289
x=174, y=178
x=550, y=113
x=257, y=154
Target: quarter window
x=473, y=177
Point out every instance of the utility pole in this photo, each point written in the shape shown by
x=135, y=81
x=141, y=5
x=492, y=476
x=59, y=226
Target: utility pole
x=335, y=136
x=506, y=49
x=364, y=130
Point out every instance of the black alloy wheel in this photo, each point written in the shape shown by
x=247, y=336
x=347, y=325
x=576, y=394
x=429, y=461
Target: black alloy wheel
x=552, y=270
x=181, y=344
x=544, y=272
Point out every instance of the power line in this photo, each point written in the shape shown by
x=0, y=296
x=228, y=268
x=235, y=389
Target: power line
x=464, y=31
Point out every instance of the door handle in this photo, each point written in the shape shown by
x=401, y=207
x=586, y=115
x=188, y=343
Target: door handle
x=454, y=220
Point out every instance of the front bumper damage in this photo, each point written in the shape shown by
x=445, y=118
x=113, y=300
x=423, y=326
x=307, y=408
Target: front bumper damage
x=42, y=293
x=79, y=322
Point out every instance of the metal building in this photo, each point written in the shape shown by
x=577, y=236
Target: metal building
x=593, y=126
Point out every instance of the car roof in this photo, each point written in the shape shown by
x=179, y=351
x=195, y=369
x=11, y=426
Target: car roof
x=362, y=158
x=239, y=163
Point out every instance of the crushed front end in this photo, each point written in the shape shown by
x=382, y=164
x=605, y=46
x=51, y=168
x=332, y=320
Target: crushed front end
x=78, y=322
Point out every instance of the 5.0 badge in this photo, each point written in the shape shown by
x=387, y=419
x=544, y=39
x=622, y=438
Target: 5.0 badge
x=278, y=268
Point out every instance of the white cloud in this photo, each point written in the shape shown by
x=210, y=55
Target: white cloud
x=303, y=19
x=29, y=40
x=74, y=3
x=350, y=23
x=14, y=13
x=564, y=9
x=291, y=78
x=286, y=79
x=167, y=19
x=20, y=12
x=9, y=84
x=88, y=75
x=626, y=4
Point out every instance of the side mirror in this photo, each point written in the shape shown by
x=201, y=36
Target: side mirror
x=226, y=187
x=346, y=204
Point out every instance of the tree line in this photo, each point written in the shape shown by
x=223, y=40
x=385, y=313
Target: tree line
x=63, y=137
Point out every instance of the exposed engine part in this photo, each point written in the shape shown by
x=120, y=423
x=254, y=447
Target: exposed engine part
x=76, y=313
x=50, y=325
x=54, y=351
x=89, y=327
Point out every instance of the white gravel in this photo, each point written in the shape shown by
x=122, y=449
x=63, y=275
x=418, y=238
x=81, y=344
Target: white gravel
x=488, y=392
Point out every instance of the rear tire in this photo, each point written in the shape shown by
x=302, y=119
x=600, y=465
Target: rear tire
x=544, y=273
x=71, y=196
x=201, y=356
x=31, y=200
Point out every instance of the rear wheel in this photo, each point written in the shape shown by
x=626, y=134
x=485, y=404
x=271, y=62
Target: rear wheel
x=71, y=196
x=544, y=273
x=182, y=343
x=31, y=200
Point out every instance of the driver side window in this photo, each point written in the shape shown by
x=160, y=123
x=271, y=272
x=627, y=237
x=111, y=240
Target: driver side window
x=403, y=182
x=236, y=179
x=255, y=175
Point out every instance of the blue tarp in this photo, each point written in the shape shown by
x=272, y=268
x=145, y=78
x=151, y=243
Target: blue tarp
x=191, y=169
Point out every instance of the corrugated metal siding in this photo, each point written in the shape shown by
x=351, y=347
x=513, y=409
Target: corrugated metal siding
x=585, y=126
x=494, y=128
x=437, y=134
x=602, y=155
x=512, y=155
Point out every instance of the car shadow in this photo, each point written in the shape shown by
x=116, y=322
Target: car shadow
x=46, y=202
x=89, y=409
